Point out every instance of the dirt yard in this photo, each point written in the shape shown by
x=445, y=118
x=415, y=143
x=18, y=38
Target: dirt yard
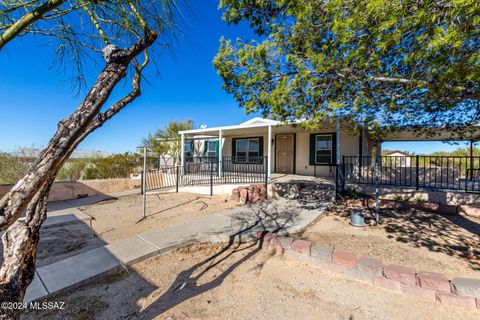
x=214, y=282
x=423, y=241
x=120, y=218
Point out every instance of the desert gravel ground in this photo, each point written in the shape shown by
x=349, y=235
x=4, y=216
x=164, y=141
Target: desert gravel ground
x=420, y=240
x=214, y=282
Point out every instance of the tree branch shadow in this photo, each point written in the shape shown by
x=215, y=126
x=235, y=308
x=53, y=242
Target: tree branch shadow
x=260, y=218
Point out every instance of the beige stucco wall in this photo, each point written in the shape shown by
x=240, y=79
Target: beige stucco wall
x=227, y=145
x=348, y=147
x=72, y=189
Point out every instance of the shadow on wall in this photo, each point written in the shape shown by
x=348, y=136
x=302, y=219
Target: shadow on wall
x=68, y=190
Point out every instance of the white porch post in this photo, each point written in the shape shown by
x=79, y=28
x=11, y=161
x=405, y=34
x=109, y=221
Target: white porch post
x=182, y=151
x=337, y=172
x=220, y=152
x=338, y=141
x=269, y=160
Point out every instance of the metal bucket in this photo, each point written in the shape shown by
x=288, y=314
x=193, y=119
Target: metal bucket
x=357, y=219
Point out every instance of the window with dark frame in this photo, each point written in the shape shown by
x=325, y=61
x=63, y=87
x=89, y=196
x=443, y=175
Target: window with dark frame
x=323, y=149
x=189, y=150
x=211, y=149
x=247, y=150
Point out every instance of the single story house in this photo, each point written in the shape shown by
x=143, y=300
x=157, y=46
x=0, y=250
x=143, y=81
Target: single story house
x=289, y=149
x=397, y=158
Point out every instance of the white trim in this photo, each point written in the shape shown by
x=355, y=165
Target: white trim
x=269, y=159
x=182, y=151
x=338, y=155
x=240, y=126
x=258, y=120
x=220, y=152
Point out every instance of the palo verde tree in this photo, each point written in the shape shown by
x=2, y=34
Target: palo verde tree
x=384, y=63
x=127, y=31
x=166, y=142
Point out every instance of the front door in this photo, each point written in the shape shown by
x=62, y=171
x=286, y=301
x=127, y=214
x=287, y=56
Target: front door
x=285, y=153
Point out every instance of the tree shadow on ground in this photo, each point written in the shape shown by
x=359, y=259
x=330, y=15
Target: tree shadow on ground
x=446, y=234
x=310, y=194
x=188, y=283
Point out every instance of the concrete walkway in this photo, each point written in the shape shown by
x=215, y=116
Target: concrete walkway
x=239, y=224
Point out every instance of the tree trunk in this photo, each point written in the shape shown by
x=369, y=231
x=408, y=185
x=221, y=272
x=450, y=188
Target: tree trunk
x=20, y=245
x=30, y=194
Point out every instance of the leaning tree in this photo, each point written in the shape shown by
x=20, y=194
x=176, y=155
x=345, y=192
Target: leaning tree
x=381, y=63
x=124, y=32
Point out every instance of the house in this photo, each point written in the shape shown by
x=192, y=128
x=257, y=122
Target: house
x=396, y=158
x=286, y=148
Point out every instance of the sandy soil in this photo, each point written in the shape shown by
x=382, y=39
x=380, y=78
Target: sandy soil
x=119, y=219
x=420, y=240
x=213, y=282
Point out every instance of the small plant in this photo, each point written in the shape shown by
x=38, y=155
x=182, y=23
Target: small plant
x=419, y=200
x=398, y=197
x=353, y=193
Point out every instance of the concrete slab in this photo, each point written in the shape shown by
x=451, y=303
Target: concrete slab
x=35, y=290
x=76, y=270
x=131, y=250
x=284, y=216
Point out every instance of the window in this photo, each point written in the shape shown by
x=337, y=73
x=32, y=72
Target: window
x=211, y=151
x=323, y=149
x=248, y=150
x=189, y=150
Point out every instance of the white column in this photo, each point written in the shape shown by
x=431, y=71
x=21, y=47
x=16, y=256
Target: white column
x=220, y=153
x=182, y=150
x=269, y=162
x=338, y=141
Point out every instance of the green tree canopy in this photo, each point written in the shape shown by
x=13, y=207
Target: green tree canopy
x=387, y=63
x=165, y=142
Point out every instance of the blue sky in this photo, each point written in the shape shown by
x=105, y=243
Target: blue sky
x=35, y=96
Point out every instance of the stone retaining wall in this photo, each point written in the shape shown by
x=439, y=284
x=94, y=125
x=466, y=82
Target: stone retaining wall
x=460, y=292
x=251, y=194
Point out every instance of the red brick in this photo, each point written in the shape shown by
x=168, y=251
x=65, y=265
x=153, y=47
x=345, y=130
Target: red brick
x=387, y=283
x=433, y=281
x=418, y=292
x=369, y=268
x=454, y=300
x=344, y=258
x=243, y=195
x=301, y=246
x=401, y=274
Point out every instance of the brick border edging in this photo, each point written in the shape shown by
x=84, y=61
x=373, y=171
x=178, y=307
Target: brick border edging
x=460, y=292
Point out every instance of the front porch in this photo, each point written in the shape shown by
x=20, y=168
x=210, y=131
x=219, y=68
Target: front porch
x=285, y=149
